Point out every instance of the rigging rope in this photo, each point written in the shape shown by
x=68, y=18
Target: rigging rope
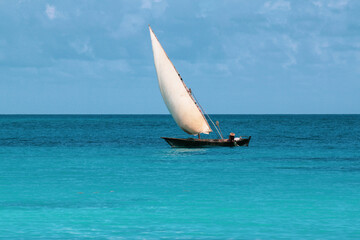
x=197, y=102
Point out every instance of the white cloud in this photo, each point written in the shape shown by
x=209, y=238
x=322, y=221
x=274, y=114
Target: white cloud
x=50, y=12
x=82, y=47
x=338, y=4
x=320, y=47
x=205, y=10
x=134, y=22
x=318, y=3
x=291, y=48
x=276, y=12
x=334, y=4
x=147, y=4
x=291, y=61
x=130, y=25
x=279, y=5
x=290, y=43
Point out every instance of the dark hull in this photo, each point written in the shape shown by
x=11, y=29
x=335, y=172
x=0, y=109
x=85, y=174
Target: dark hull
x=196, y=143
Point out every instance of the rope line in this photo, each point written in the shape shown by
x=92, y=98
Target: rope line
x=217, y=130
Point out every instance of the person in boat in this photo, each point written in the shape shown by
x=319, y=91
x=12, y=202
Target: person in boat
x=232, y=137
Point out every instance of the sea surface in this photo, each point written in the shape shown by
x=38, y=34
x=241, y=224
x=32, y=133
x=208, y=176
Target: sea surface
x=113, y=177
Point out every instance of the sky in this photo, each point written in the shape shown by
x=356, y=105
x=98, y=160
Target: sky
x=238, y=57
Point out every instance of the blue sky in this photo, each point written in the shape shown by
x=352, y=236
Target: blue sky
x=237, y=56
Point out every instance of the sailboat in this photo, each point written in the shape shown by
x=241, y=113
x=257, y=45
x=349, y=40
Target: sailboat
x=183, y=106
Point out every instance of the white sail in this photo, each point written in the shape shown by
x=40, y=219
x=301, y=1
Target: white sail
x=176, y=95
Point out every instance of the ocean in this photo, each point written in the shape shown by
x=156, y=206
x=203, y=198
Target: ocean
x=113, y=177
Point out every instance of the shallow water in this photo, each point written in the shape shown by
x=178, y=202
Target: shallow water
x=97, y=176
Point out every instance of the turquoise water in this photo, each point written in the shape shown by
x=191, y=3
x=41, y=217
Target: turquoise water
x=112, y=177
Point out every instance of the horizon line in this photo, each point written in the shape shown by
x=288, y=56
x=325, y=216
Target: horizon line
x=97, y=114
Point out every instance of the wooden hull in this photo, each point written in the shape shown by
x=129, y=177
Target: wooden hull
x=196, y=143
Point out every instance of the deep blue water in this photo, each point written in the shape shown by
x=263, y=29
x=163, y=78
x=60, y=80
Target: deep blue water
x=112, y=177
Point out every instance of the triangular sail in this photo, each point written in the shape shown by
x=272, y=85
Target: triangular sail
x=176, y=95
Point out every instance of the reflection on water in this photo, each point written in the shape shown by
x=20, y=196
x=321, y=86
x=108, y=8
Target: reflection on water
x=176, y=151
